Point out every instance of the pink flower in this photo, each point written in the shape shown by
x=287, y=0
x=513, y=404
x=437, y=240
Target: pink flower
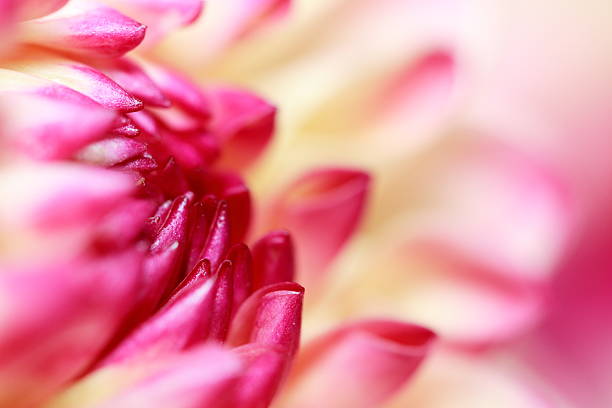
x=125, y=280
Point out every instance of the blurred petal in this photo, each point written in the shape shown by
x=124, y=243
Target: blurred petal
x=264, y=373
x=242, y=122
x=39, y=8
x=45, y=340
x=454, y=380
x=202, y=377
x=360, y=365
x=47, y=128
x=322, y=210
x=160, y=16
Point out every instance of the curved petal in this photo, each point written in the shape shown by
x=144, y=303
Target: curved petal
x=204, y=376
x=358, y=366
x=322, y=210
x=45, y=340
x=47, y=128
x=85, y=29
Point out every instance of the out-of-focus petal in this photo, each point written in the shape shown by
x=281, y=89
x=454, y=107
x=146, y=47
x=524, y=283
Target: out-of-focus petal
x=160, y=16
x=244, y=124
x=38, y=8
x=47, y=128
x=202, y=377
x=45, y=340
x=85, y=29
x=133, y=79
x=322, y=210
x=470, y=381
x=265, y=371
x=358, y=366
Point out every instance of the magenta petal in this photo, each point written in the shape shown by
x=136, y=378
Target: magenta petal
x=243, y=122
x=202, y=377
x=160, y=16
x=181, y=91
x=360, y=365
x=173, y=328
x=322, y=209
x=45, y=340
x=86, y=29
x=224, y=298
x=56, y=130
x=273, y=259
x=265, y=370
x=217, y=243
x=241, y=259
x=133, y=79
x=270, y=316
x=79, y=77
x=174, y=227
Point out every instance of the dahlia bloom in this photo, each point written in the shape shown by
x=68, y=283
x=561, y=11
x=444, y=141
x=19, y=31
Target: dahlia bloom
x=125, y=280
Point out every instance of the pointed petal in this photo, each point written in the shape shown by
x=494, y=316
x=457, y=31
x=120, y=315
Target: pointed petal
x=224, y=299
x=173, y=328
x=217, y=243
x=322, y=210
x=360, y=365
x=46, y=128
x=79, y=77
x=85, y=29
x=203, y=214
x=241, y=259
x=133, y=79
x=273, y=259
x=270, y=316
x=12, y=81
x=243, y=122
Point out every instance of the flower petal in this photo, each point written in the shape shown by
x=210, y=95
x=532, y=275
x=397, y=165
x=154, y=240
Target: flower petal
x=78, y=76
x=44, y=340
x=111, y=151
x=322, y=210
x=47, y=128
x=273, y=259
x=160, y=16
x=243, y=122
x=358, y=366
x=270, y=316
x=202, y=377
x=175, y=327
x=85, y=29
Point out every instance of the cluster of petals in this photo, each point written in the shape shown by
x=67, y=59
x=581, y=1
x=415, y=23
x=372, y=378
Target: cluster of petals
x=125, y=278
